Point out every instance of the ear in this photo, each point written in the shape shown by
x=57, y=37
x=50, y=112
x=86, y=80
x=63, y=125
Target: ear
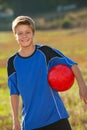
x=33, y=34
x=15, y=36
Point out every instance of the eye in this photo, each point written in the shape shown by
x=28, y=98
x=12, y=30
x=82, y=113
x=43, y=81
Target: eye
x=20, y=33
x=28, y=32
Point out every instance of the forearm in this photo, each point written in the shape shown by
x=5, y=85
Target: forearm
x=15, y=105
x=78, y=75
x=81, y=83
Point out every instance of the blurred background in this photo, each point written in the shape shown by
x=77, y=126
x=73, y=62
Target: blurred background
x=52, y=14
x=59, y=23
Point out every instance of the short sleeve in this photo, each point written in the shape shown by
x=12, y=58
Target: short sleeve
x=12, y=77
x=60, y=60
x=12, y=84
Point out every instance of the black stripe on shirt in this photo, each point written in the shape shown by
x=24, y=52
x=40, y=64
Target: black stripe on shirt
x=10, y=65
x=49, y=53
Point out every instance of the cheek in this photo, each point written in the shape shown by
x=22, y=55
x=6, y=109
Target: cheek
x=32, y=36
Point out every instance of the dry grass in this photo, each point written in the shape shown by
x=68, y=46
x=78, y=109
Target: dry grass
x=73, y=43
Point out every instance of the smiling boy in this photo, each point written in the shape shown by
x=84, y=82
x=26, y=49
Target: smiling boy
x=42, y=107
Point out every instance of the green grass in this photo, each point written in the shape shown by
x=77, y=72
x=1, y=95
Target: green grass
x=73, y=43
x=4, y=105
x=3, y=75
x=6, y=37
x=5, y=110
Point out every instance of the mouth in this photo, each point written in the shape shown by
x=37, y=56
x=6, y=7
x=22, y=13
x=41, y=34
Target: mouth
x=25, y=40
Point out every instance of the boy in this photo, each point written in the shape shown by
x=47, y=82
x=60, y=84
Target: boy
x=42, y=108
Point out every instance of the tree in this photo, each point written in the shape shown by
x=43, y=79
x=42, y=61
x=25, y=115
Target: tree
x=31, y=6
x=28, y=7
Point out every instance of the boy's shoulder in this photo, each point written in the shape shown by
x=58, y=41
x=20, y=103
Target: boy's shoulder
x=41, y=46
x=12, y=57
x=49, y=51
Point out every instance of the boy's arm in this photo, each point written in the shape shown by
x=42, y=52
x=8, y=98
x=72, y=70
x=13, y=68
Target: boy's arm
x=15, y=106
x=81, y=82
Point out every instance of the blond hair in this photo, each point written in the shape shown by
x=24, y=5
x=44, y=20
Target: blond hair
x=23, y=20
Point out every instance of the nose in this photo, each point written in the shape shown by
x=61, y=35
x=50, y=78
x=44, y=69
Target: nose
x=24, y=34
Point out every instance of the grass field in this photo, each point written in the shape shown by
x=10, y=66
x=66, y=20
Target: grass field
x=72, y=43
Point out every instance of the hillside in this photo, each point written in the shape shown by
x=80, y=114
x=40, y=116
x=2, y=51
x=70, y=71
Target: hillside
x=54, y=20
x=61, y=20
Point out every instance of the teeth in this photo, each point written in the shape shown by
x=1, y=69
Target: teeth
x=24, y=41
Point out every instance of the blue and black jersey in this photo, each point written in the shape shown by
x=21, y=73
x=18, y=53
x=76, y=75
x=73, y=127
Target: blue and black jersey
x=27, y=77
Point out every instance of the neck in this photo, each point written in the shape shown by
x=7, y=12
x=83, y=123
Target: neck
x=27, y=51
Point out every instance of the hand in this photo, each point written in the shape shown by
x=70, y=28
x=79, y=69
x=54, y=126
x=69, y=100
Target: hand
x=16, y=125
x=83, y=93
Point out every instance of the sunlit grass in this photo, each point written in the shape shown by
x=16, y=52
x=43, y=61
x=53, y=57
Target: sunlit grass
x=4, y=105
x=6, y=37
x=5, y=110
x=73, y=43
x=3, y=75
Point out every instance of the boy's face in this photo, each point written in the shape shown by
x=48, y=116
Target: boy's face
x=24, y=35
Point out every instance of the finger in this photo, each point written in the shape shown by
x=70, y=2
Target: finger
x=81, y=97
x=85, y=100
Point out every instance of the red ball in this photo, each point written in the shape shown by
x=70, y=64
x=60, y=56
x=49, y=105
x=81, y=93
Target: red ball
x=60, y=77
